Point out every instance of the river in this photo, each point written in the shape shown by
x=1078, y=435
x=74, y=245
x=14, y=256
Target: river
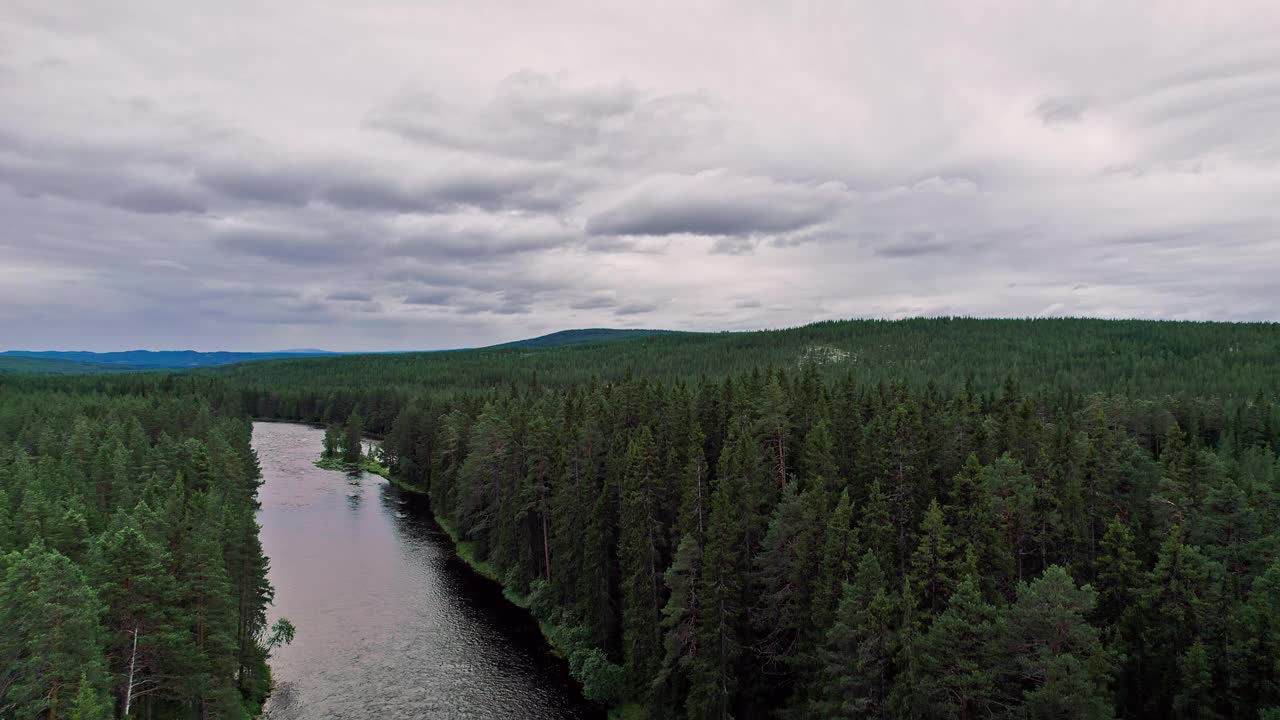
x=390, y=623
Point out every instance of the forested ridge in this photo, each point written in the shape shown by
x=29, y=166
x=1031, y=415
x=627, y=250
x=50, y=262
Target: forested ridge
x=942, y=518
x=130, y=566
x=932, y=518
x=1137, y=358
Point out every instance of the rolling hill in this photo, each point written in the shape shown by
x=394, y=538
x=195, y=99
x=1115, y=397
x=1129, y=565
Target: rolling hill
x=582, y=336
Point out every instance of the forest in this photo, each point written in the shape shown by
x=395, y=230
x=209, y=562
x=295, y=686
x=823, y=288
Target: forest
x=131, y=574
x=944, y=518
x=932, y=518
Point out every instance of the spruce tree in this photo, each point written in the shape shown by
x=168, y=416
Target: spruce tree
x=854, y=676
x=934, y=562
x=640, y=554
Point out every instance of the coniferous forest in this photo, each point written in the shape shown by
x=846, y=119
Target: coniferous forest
x=130, y=567
x=927, y=519
x=932, y=518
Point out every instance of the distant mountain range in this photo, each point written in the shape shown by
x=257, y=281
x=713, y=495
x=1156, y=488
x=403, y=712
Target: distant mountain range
x=74, y=362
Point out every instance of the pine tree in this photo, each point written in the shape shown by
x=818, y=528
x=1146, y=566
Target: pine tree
x=142, y=598
x=1060, y=658
x=50, y=648
x=206, y=597
x=353, y=439
x=959, y=659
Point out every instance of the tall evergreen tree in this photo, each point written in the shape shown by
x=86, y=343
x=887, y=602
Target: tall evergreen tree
x=854, y=677
x=640, y=551
x=50, y=649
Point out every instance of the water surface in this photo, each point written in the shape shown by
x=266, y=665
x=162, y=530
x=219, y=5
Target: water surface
x=390, y=623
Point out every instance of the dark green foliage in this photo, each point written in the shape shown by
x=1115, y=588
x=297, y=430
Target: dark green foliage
x=957, y=661
x=122, y=513
x=928, y=518
x=51, y=645
x=986, y=506
x=641, y=555
x=1060, y=663
x=855, y=674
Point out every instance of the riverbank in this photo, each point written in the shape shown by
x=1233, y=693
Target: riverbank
x=587, y=665
x=390, y=624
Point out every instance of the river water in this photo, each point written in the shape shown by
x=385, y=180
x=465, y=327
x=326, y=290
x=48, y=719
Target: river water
x=390, y=623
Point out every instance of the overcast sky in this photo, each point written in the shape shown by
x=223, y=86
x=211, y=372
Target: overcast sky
x=415, y=174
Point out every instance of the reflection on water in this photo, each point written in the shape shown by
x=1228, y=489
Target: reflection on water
x=390, y=623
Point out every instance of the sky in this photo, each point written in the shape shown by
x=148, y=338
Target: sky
x=420, y=175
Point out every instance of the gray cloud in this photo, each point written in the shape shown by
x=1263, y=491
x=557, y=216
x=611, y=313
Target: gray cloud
x=713, y=204
x=915, y=244
x=431, y=297
x=287, y=245
x=257, y=185
x=1060, y=110
x=349, y=296
x=596, y=302
x=543, y=116
x=638, y=308
x=352, y=188
x=476, y=237
x=154, y=199
x=487, y=174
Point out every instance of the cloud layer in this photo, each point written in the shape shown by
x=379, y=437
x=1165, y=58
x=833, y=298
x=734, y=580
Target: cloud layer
x=414, y=175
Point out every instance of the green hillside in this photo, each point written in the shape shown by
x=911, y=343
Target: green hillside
x=579, y=337
x=1125, y=357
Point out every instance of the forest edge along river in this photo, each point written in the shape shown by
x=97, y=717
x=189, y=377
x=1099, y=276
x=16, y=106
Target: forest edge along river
x=390, y=622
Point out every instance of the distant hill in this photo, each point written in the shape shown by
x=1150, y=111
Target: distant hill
x=68, y=362
x=53, y=366
x=1134, y=358
x=154, y=359
x=578, y=337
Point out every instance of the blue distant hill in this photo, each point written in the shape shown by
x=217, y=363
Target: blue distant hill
x=153, y=359
x=68, y=362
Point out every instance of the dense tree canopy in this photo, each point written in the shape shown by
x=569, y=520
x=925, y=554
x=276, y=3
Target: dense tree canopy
x=128, y=538
x=928, y=518
x=932, y=518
